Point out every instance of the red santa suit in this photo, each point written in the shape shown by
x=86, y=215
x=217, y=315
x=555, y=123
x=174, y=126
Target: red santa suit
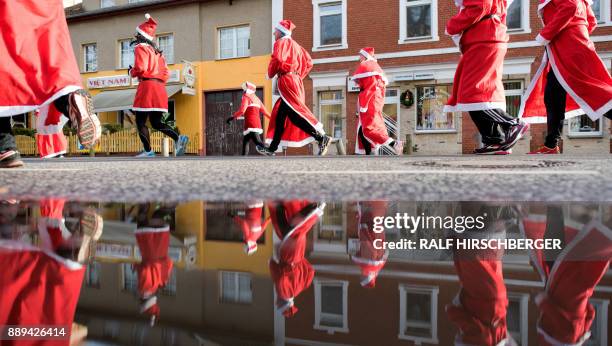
x=571, y=55
x=52, y=229
x=372, y=84
x=50, y=138
x=291, y=64
x=370, y=259
x=250, y=108
x=37, y=63
x=479, y=30
x=152, y=72
x=155, y=268
x=38, y=288
x=290, y=270
x=251, y=226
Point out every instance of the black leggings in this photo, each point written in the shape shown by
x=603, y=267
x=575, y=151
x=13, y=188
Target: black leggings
x=155, y=119
x=492, y=124
x=366, y=144
x=285, y=112
x=554, y=100
x=251, y=136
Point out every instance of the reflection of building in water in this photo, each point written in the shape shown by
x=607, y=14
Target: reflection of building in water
x=407, y=305
x=213, y=289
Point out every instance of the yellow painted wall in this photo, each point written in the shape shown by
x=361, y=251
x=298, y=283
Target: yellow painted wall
x=189, y=221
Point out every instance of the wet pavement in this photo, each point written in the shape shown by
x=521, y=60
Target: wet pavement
x=419, y=178
x=303, y=272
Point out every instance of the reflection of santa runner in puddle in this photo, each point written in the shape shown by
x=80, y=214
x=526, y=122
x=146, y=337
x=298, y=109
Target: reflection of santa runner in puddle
x=155, y=268
x=50, y=138
x=370, y=259
x=251, y=225
x=39, y=288
x=290, y=270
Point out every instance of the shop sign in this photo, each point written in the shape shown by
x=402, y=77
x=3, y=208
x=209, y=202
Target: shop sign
x=108, y=82
x=189, y=77
x=121, y=251
x=175, y=77
x=351, y=85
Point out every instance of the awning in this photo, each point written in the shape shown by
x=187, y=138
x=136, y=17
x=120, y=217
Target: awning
x=118, y=100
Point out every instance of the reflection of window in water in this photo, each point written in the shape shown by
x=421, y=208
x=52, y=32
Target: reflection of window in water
x=331, y=226
x=220, y=223
x=331, y=23
x=517, y=318
x=92, y=275
x=514, y=92
x=130, y=281
x=418, y=307
x=430, y=101
x=331, y=305
x=236, y=287
x=599, y=328
x=418, y=18
x=514, y=18
x=330, y=112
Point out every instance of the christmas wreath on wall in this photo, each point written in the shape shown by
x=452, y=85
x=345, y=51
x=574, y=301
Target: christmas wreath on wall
x=407, y=98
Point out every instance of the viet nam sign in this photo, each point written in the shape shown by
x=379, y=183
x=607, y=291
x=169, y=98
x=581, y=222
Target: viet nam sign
x=108, y=82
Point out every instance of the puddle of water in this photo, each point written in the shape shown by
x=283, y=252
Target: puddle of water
x=304, y=272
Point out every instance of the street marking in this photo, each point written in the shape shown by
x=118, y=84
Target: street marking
x=450, y=171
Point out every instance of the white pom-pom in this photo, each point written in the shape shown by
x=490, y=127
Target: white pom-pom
x=147, y=16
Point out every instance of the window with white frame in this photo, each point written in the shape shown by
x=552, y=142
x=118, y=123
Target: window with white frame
x=599, y=328
x=601, y=8
x=418, y=20
x=166, y=45
x=419, y=313
x=430, y=101
x=583, y=126
x=330, y=112
x=514, y=92
x=391, y=112
x=236, y=287
x=130, y=278
x=107, y=3
x=329, y=24
x=92, y=275
x=517, y=19
x=90, y=57
x=234, y=42
x=126, y=54
x=331, y=305
x=517, y=318
x=331, y=226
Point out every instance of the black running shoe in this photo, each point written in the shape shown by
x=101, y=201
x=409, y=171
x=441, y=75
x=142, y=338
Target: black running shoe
x=324, y=145
x=514, y=134
x=492, y=149
x=264, y=151
x=10, y=159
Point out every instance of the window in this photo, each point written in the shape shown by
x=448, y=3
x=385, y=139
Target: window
x=583, y=126
x=329, y=27
x=236, y=287
x=130, y=278
x=234, y=42
x=92, y=275
x=170, y=288
x=331, y=225
x=418, y=20
x=599, y=328
x=517, y=318
x=331, y=311
x=166, y=45
x=391, y=112
x=430, y=100
x=419, y=313
x=107, y=3
x=90, y=57
x=514, y=92
x=518, y=16
x=602, y=11
x=126, y=54
x=330, y=112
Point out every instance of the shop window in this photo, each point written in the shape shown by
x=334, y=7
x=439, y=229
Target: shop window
x=583, y=126
x=391, y=112
x=92, y=275
x=430, y=101
x=514, y=92
x=130, y=278
x=601, y=8
x=236, y=287
x=107, y=3
x=330, y=112
x=419, y=314
x=517, y=19
x=20, y=120
x=329, y=24
x=517, y=317
x=166, y=45
x=90, y=57
x=418, y=20
x=599, y=328
x=126, y=54
x=234, y=42
x=331, y=310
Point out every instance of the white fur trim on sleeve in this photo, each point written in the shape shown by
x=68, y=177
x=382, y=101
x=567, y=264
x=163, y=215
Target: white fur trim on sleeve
x=541, y=40
x=363, y=110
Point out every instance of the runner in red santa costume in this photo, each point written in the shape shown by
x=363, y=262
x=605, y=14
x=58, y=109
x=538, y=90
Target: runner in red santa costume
x=250, y=222
x=372, y=132
x=151, y=100
x=572, y=80
x=292, y=124
x=479, y=30
x=38, y=67
x=369, y=258
x=50, y=138
x=155, y=268
x=250, y=110
x=290, y=270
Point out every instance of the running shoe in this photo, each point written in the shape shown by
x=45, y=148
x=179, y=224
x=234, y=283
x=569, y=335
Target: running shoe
x=324, y=145
x=146, y=154
x=10, y=159
x=266, y=152
x=545, y=150
x=261, y=150
x=514, y=134
x=181, y=145
x=492, y=149
x=82, y=117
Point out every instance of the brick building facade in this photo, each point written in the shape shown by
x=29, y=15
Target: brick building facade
x=420, y=61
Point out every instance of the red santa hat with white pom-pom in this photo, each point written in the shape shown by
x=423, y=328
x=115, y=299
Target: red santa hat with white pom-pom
x=148, y=27
x=285, y=26
x=368, y=53
x=249, y=87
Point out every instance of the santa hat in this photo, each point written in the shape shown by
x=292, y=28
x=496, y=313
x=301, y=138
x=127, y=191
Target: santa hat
x=149, y=307
x=285, y=26
x=148, y=27
x=250, y=247
x=249, y=87
x=368, y=53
